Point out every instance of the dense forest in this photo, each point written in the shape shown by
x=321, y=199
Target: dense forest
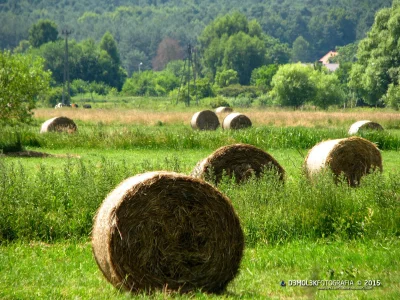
x=139, y=26
x=246, y=52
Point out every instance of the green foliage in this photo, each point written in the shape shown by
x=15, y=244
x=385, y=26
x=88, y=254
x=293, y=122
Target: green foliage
x=296, y=84
x=42, y=32
x=300, y=50
x=292, y=85
x=204, y=88
x=218, y=102
x=392, y=96
x=149, y=83
x=262, y=76
x=329, y=90
x=378, y=57
x=239, y=90
x=225, y=78
x=87, y=61
x=22, y=79
x=347, y=54
x=52, y=97
x=109, y=45
x=231, y=42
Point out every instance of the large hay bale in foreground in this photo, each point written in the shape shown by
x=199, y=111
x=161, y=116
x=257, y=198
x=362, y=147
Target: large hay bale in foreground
x=239, y=160
x=223, y=109
x=163, y=230
x=59, y=124
x=353, y=157
x=205, y=120
x=362, y=125
x=236, y=121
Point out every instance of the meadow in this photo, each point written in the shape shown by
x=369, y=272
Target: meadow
x=293, y=231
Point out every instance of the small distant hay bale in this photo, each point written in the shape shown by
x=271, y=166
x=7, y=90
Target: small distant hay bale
x=236, y=121
x=352, y=157
x=239, y=160
x=205, y=120
x=364, y=125
x=163, y=230
x=59, y=124
x=223, y=109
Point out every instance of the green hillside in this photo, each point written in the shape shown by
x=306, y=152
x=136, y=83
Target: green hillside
x=139, y=26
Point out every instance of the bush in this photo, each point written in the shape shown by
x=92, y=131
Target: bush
x=218, y=101
x=237, y=89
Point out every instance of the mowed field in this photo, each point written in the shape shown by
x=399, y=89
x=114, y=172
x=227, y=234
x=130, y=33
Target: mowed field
x=295, y=232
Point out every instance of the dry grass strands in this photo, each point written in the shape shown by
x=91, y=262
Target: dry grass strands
x=163, y=230
x=352, y=157
x=364, y=125
x=223, y=110
x=236, y=121
x=239, y=160
x=205, y=120
x=59, y=124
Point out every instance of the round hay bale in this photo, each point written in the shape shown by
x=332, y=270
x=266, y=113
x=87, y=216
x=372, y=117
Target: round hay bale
x=353, y=157
x=239, y=160
x=205, y=120
x=236, y=121
x=59, y=124
x=163, y=230
x=223, y=110
x=362, y=125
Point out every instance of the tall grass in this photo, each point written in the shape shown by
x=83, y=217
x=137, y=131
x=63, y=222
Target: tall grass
x=183, y=137
x=49, y=204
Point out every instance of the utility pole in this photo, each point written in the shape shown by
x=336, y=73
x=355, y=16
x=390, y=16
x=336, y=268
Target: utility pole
x=188, y=74
x=66, y=33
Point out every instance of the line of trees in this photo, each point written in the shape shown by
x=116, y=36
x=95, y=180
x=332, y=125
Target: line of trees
x=237, y=59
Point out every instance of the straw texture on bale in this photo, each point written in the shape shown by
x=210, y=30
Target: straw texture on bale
x=365, y=124
x=59, y=124
x=239, y=160
x=352, y=157
x=163, y=230
x=205, y=120
x=223, y=109
x=236, y=121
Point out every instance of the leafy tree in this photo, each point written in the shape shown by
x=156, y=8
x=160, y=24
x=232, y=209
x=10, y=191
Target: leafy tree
x=22, y=79
x=150, y=83
x=22, y=47
x=109, y=45
x=378, y=55
x=300, y=50
x=328, y=90
x=292, y=85
x=226, y=77
x=262, y=76
x=347, y=53
x=42, y=32
x=392, y=96
x=243, y=54
x=231, y=42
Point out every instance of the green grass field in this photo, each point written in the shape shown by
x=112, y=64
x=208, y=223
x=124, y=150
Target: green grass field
x=295, y=231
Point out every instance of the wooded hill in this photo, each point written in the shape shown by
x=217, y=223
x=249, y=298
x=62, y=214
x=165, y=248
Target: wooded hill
x=138, y=26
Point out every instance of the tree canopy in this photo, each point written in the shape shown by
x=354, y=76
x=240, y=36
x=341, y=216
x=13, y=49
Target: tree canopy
x=22, y=79
x=42, y=32
x=378, y=64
